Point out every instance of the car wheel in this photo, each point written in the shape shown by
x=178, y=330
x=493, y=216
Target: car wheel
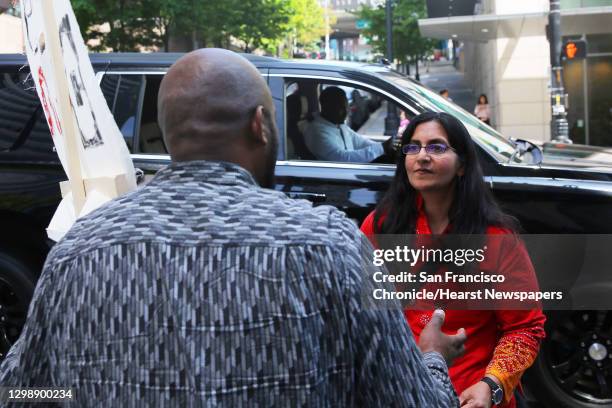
x=574, y=367
x=17, y=282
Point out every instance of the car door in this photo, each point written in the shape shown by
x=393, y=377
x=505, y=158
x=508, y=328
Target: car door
x=354, y=188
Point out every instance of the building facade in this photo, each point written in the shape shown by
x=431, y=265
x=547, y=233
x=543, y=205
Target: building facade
x=346, y=43
x=506, y=55
x=11, y=39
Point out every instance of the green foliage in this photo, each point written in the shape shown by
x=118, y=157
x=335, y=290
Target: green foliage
x=255, y=21
x=143, y=23
x=407, y=40
x=131, y=23
x=307, y=23
x=304, y=28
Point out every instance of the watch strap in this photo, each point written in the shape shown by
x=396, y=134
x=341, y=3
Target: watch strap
x=497, y=392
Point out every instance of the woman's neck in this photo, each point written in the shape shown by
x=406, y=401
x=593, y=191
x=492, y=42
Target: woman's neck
x=437, y=205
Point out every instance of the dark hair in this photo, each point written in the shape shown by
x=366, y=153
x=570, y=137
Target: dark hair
x=443, y=91
x=331, y=96
x=486, y=99
x=473, y=208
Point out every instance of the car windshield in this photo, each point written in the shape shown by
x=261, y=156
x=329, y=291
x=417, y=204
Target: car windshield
x=485, y=136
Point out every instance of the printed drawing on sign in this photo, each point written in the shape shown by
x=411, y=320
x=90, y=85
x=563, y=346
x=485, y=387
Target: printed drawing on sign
x=84, y=113
x=50, y=111
x=27, y=7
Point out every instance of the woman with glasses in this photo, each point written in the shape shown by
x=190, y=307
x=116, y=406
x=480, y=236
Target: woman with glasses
x=438, y=189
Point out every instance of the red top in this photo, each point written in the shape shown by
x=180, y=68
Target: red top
x=503, y=343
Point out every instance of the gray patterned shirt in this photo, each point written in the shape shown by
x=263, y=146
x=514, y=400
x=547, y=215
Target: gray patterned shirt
x=203, y=289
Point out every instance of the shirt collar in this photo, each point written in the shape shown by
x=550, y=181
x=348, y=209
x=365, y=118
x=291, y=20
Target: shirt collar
x=217, y=172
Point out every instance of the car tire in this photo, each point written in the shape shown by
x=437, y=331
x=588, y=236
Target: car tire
x=17, y=283
x=565, y=374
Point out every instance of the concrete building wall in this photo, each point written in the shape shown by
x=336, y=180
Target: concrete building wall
x=479, y=69
x=514, y=74
x=11, y=38
x=522, y=76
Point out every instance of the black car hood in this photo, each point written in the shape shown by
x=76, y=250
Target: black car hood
x=576, y=169
x=574, y=163
x=581, y=156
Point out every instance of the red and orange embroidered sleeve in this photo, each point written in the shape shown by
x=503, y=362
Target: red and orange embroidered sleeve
x=521, y=331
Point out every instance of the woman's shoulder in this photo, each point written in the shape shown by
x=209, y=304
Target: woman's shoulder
x=367, y=226
x=498, y=230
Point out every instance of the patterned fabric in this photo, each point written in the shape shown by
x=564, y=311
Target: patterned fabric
x=203, y=289
x=514, y=354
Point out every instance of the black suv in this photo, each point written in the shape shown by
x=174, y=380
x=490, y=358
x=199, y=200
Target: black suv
x=547, y=193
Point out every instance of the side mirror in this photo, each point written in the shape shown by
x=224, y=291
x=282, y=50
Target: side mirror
x=528, y=150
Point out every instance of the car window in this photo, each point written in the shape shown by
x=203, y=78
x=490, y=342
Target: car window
x=488, y=138
x=150, y=139
x=310, y=136
x=122, y=94
x=23, y=125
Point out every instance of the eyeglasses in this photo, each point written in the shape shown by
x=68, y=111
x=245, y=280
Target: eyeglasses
x=434, y=148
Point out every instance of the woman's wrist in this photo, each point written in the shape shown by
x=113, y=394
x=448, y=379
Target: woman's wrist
x=497, y=393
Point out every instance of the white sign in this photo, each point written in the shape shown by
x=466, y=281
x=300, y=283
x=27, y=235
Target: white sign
x=88, y=142
x=558, y=109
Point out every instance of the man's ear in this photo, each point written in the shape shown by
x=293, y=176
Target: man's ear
x=258, y=129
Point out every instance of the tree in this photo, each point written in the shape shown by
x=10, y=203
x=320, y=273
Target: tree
x=307, y=23
x=256, y=21
x=407, y=40
x=305, y=27
x=131, y=23
x=151, y=23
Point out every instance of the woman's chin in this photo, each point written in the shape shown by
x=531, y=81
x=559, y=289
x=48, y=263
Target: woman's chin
x=427, y=187
x=421, y=185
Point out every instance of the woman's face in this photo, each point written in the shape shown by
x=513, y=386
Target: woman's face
x=482, y=100
x=432, y=172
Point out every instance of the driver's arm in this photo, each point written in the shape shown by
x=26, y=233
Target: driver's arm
x=359, y=142
x=326, y=145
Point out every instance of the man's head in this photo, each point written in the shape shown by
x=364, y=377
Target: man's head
x=334, y=106
x=214, y=105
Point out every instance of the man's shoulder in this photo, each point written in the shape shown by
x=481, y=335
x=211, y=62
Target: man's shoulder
x=317, y=122
x=257, y=216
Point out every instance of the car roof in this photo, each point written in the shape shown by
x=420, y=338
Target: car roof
x=163, y=59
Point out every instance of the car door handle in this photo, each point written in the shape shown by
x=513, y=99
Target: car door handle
x=314, y=197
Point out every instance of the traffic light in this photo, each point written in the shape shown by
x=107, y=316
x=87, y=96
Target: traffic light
x=574, y=49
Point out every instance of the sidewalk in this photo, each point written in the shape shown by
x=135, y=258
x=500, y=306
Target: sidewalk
x=443, y=75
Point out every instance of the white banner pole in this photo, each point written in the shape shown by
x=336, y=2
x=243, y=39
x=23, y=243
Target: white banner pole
x=70, y=133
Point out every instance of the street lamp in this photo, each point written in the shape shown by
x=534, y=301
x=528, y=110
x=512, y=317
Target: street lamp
x=389, y=28
x=327, y=56
x=392, y=120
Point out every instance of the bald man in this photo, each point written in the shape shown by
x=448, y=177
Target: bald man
x=205, y=289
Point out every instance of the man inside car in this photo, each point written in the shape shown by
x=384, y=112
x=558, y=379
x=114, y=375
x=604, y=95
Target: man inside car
x=330, y=139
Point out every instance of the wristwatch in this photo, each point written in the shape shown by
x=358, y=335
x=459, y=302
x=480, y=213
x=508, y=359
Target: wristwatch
x=497, y=393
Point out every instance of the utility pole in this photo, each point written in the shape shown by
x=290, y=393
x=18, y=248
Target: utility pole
x=389, y=29
x=327, y=56
x=392, y=119
x=558, y=124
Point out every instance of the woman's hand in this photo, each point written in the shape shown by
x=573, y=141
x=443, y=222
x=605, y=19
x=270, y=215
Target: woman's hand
x=476, y=396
